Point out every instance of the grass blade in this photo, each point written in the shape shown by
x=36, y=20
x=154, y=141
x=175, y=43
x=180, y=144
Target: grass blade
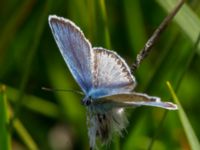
x=5, y=142
x=5, y=138
x=35, y=104
x=183, y=72
x=192, y=138
x=24, y=135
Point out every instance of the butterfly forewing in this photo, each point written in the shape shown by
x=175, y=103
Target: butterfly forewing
x=111, y=75
x=75, y=49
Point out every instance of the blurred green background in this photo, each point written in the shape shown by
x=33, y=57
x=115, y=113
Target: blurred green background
x=30, y=59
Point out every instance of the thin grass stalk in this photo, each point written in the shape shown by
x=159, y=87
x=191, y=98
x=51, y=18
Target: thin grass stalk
x=24, y=135
x=189, y=60
x=190, y=133
x=34, y=103
x=5, y=138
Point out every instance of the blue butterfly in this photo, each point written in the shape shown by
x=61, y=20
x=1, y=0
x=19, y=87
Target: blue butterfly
x=105, y=79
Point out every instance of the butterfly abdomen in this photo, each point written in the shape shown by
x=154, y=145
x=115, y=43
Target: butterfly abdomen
x=104, y=127
x=102, y=124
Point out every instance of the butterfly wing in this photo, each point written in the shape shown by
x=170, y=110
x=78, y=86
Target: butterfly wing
x=75, y=49
x=111, y=75
x=134, y=99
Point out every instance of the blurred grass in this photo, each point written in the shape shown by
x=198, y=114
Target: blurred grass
x=11, y=26
x=105, y=23
x=5, y=138
x=190, y=26
x=23, y=133
x=29, y=59
x=14, y=23
x=35, y=104
x=135, y=26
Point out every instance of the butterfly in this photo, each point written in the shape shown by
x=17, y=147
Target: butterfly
x=104, y=78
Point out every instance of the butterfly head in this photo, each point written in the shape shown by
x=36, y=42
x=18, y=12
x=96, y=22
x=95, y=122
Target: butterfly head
x=93, y=95
x=87, y=101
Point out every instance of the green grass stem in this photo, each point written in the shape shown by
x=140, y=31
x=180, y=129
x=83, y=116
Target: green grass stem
x=5, y=138
x=190, y=133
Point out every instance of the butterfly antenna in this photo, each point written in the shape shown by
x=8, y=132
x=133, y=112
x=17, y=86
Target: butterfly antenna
x=153, y=39
x=62, y=90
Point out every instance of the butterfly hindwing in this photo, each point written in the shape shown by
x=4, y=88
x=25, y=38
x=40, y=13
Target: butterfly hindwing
x=75, y=49
x=111, y=75
x=135, y=99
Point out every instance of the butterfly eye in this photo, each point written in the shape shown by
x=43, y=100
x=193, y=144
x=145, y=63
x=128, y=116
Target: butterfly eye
x=87, y=101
